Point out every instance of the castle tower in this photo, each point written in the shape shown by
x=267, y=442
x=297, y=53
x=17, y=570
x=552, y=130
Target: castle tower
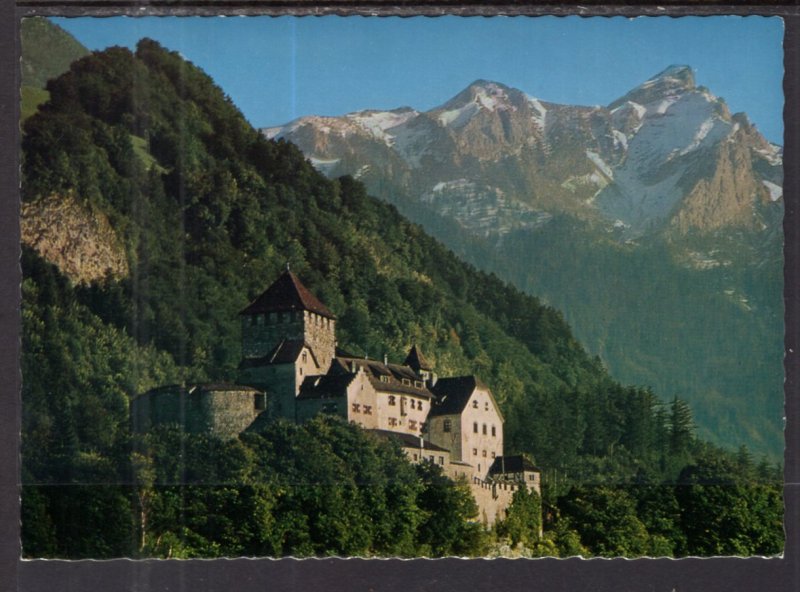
x=288, y=311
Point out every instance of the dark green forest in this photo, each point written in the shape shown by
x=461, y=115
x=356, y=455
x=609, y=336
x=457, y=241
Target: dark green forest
x=208, y=212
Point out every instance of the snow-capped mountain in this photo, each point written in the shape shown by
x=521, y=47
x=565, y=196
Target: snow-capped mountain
x=667, y=156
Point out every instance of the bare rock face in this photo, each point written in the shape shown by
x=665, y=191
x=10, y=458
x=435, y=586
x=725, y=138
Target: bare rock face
x=74, y=237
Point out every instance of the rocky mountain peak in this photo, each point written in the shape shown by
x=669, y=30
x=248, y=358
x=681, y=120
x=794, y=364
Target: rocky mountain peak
x=672, y=81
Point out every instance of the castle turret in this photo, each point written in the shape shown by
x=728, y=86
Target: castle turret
x=287, y=310
x=417, y=362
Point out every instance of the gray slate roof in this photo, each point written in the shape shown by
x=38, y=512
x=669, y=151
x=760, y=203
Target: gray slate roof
x=410, y=440
x=286, y=352
x=512, y=464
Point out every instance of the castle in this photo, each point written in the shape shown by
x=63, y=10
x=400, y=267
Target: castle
x=292, y=368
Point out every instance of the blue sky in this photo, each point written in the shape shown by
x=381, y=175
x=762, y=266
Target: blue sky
x=278, y=68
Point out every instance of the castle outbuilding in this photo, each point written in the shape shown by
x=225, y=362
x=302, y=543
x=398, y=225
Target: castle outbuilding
x=293, y=369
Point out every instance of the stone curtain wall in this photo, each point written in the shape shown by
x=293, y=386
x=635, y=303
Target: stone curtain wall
x=493, y=499
x=224, y=412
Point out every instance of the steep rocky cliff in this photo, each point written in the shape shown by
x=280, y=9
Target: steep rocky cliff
x=75, y=237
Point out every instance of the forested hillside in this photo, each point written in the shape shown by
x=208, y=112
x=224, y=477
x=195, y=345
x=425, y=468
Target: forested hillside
x=206, y=213
x=47, y=51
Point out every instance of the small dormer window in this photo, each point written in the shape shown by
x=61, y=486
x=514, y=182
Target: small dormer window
x=406, y=382
x=384, y=378
x=418, y=384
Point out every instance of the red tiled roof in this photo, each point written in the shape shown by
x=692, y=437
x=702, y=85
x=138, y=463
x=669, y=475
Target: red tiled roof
x=287, y=293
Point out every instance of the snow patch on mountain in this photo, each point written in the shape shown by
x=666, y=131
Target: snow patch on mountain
x=620, y=140
x=459, y=117
x=703, y=132
x=600, y=164
x=775, y=190
x=378, y=123
x=324, y=165
x=540, y=111
x=411, y=142
x=773, y=154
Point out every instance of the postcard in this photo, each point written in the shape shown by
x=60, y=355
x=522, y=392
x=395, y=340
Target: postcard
x=382, y=287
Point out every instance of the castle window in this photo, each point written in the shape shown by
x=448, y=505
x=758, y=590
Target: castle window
x=441, y=460
x=430, y=458
x=474, y=452
x=475, y=404
x=356, y=408
x=386, y=379
x=494, y=431
x=486, y=406
x=391, y=398
x=484, y=429
x=367, y=409
x=494, y=455
x=475, y=427
x=393, y=421
x=447, y=426
x=418, y=383
x=301, y=371
x=413, y=404
x=415, y=457
x=532, y=477
x=406, y=382
x=419, y=405
x=484, y=454
x=412, y=425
